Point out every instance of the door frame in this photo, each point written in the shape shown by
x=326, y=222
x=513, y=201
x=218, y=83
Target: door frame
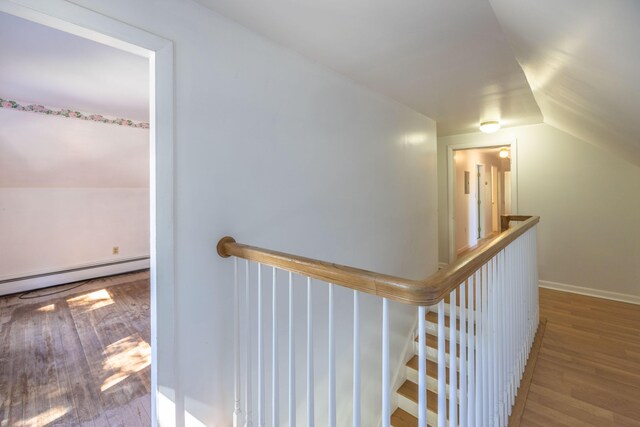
x=481, y=216
x=82, y=22
x=495, y=200
x=451, y=181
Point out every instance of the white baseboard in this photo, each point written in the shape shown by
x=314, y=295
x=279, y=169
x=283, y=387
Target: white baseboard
x=442, y=265
x=29, y=283
x=615, y=296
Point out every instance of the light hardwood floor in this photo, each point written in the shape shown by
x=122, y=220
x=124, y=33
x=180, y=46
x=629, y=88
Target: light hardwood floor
x=81, y=357
x=588, y=368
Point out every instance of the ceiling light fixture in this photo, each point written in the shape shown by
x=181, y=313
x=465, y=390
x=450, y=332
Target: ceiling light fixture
x=504, y=153
x=490, y=126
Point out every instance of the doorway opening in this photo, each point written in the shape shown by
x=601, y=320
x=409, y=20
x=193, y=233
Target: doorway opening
x=479, y=193
x=126, y=356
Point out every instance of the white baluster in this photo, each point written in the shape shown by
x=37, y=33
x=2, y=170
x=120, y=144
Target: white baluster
x=479, y=348
x=356, y=359
x=442, y=368
x=310, y=397
x=261, y=408
x=473, y=330
x=422, y=369
x=332, y=363
x=494, y=311
x=237, y=412
x=463, y=355
x=248, y=422
x=275, y=386
x=502, y=341
x=292, y=358
x=486, y=350
x=386, y=386
x=511, y=356
x=453, y=368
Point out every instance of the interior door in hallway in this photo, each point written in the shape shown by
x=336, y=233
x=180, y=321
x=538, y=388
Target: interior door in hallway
x=495, y=200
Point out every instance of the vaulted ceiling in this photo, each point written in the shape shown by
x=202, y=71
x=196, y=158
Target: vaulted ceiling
x=573, y=64
x=582, y=60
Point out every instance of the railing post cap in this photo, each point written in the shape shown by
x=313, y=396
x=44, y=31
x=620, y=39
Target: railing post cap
x=220, y=247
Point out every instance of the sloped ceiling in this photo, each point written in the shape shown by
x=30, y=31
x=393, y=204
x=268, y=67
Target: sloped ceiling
x=574, y=64
x=582, y=60
x=446, y=59
x=46, y=66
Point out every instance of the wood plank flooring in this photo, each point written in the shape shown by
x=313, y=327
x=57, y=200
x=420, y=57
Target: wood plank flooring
x=588, y=369
x=77, y=358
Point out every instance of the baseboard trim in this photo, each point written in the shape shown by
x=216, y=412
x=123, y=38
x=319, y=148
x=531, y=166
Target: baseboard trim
x=614, y=296
x=38, y=281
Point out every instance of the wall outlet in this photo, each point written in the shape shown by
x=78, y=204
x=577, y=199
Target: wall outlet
x=116, y=250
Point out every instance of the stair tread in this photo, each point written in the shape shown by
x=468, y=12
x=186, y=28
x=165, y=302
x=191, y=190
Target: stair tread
x=432, y=368
x=433, y=318
x=432, y=341
x=409, y=389
x=401, y=418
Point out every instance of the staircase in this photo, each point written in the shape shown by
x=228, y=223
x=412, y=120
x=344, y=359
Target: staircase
x=407, y=413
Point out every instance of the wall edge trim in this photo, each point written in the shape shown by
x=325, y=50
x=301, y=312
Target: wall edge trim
x=597, y=293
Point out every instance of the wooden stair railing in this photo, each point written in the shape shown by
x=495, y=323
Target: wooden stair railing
x=484, y=306
x=415, y=292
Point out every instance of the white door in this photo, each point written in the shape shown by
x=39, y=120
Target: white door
x=495, y=200
x=480, y=200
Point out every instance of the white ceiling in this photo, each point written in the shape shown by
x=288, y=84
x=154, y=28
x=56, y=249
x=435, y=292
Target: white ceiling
x=574, y=64
x=50, y=67
x=582, y=59
x=446, y=59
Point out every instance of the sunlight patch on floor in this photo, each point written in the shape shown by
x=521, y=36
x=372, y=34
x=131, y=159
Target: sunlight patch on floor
x=45, y=418
x=91, y=301
x=47, y=308
x=123, y=358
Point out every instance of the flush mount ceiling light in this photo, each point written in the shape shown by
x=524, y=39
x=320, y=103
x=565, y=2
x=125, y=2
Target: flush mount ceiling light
x=490, y=126
x=503, y=153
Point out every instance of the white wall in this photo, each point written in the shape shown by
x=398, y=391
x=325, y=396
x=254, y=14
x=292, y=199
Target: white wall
x=281, y=153
x=70, y=190
x=588, y=200
x=51, y=229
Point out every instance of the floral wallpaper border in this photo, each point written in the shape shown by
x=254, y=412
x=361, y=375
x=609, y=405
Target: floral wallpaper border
x=36, y=108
